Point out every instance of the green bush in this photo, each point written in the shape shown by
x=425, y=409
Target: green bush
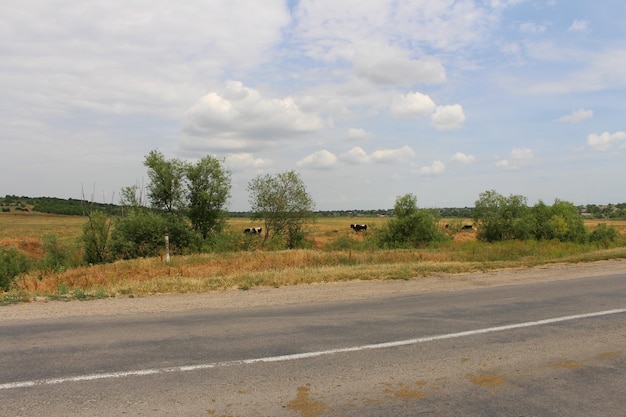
x=57, y=255
x=411, y=227
x=141, y=234
x=95, y=238
x=12, y=263
x=604, y=235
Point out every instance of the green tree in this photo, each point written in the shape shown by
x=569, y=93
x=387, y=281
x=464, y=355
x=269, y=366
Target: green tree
x=283, y=203
x=501, y=218
x=166, y=187
x=410, y=227
x=208, y=190
x=567, y=222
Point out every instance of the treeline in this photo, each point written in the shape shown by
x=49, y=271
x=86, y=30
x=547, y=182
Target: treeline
x=52, y=205
x=74, y=207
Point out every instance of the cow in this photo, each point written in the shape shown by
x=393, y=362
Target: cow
x=254, y=230
x=358, y=227
x=467, y=227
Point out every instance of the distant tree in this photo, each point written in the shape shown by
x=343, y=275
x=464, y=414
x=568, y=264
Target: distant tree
x=208, y=190
x=131, y=196
x=283, y=203
x=411, y=226
x=166, y=187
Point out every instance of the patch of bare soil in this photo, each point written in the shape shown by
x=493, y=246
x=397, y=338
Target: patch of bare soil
x=314, y=293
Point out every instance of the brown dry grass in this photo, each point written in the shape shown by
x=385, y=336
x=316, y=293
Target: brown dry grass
x=247, y=269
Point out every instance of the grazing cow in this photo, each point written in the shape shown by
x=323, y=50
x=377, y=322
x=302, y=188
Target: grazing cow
x=254, y=230
x=358, y=227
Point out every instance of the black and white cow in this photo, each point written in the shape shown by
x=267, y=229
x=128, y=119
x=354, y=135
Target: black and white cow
x=358, y=227
x=254, y=230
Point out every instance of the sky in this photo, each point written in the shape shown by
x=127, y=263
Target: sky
x=367, y=101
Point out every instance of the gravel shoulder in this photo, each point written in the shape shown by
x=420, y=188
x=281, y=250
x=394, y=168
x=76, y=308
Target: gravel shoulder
x=302, y=294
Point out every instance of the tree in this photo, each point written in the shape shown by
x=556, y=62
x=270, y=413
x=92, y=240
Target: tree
x=501, y=218
x=208, y=190
x=410, y=226
x=166, y=187
x=283, y=203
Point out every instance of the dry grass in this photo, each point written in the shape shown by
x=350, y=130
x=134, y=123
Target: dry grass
x=244, y=270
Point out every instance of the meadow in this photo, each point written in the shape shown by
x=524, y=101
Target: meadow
x=336, y=253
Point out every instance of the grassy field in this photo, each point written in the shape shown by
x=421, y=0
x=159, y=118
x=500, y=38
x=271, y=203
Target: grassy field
x=248, y=269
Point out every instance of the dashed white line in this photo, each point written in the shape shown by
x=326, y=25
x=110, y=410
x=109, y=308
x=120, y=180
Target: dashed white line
x=306, y=355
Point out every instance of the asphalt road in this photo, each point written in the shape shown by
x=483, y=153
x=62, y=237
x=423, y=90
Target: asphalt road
x=545, y=349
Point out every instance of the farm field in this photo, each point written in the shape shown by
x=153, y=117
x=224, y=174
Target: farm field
x=336, y=253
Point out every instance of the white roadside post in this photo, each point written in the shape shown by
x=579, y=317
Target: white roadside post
x=167, y=249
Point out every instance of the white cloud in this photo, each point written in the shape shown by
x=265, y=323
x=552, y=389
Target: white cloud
x=319, y=159
x=383, y=64
x=437, y=167
x=245, y=161
x=606, y=140
x=412, y=105
x=357, y=155
x=448, y=117
x=402, y=154
x=576, y=116
x=517, y=159
x=241, y=115
x=579, y=26
x=357, y=133
x=462, y=158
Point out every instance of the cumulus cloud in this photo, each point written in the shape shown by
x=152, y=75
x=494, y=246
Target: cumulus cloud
x=462, y=158
x=448, y=117
x=518, y=158
x=437, y=167
x=576, y=116
x=606, y=140
x=357, y=155
x=579, y=26
x=412, y=105
x=245, y=161
x=240, y=115
x=319, y=159
x=357, y=133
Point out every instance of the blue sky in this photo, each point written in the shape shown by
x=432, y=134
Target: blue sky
x=366, y=100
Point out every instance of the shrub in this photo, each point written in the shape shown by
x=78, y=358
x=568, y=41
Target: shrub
x=95, y=238
x=57, y=255
x=12, y=263
x=603, y=235
x=411, y=228
x=141, y=234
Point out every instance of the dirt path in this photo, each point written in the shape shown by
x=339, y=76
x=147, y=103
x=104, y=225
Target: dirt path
x=353, y=290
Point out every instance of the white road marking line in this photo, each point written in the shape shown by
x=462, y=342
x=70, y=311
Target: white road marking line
x=306, y=355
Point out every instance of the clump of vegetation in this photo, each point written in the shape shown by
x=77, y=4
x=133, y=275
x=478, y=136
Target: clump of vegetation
x=410, y=227
x=12, y=263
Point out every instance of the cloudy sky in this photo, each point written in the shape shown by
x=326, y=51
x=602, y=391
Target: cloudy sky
x=366, y=100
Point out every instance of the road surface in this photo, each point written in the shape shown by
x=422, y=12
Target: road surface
x=550, y=348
